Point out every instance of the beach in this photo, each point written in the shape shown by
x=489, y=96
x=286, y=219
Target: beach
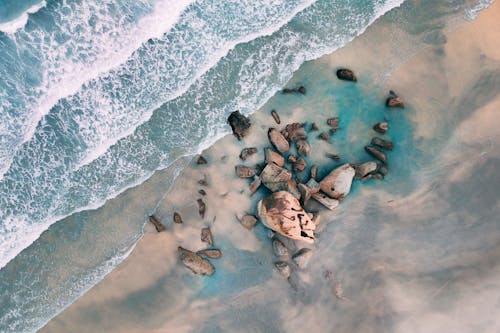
x=418, y=251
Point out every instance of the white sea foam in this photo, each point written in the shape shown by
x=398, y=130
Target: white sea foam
x=19, y=22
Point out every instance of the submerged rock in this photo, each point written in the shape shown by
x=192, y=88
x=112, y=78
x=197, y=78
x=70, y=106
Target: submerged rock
x=381, y=127
x=294, y=132
x=326, y=201
x=303, y=147
x=210, y=253
x=377, y=153
x=247, y=152
x=283, y=268
x=158, y=226
x=276, y=116
x=337, y=183
x=364, y=169
x=279, y=248
x=394, y=101
x=239, y=124
x=177, y=218
x=248, y=221
x=346, y=75
x=301, y=90
x=278, y=140
x=273, y=157
x=202, y=192
x=385, y=144
x=314, y=127
x=302, y=257
x=275, y=178
x=324, y=136
x=282, y=212
x=194, y=262
x=201, y=160
x=201, y=208
x=206, y=236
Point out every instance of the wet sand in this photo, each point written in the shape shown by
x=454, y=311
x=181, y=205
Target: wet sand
x=423, y=260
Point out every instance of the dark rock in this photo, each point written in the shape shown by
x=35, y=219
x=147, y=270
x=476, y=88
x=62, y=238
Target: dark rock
x=201, y=160
x=279, y=248
x=333, y=130
x=384, y=170
x=381, y=127
x=278, y=140
x=314, y=127
x=378, y=154
x=334, y=157
x=302, y=257
x=303, y=147
x=276, y=116
x=273, y=157
x=158, y=226
x=204, y=181
x=313, y=186
x=283, y=268
x=242, y=171
x=248, y=221
x=247, y=152
x=210, y=253
x=385, y=144
x=378, y=176
x=346, y=75
x=239, y=124
x=254, y=186
x=201, y=208
x=314, y=171
x=302, y=90
x=195, y=263
x=324, y=136
x=300, y=165
x=365, y=169
x=206, y=236
x=333, y=122
x=177, y=218
x=294, y=131
x=394, y=101
x=275, y=178
x=292, y=159
x=202, y=192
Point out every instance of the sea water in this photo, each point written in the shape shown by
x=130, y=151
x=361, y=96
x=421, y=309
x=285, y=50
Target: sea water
x=95, y=97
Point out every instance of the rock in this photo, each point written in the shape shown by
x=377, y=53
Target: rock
x=275, y=178
x=302, y=90
x=278, y=140
x=204, y=181
x=301, y=258
x=384, y=170
x=177, y=218
x=337, y=183
x=273, y=157
x=254, y=186
x=210, y=253
x=158, y=226
x=243, y=171
x=346, y=75
x=394, y=101
x=248, y=221
x=279, y=248
x=324, y=136
x=303, y=147
x=300, y=165
x=378, y=154
x=282, y=212
x=334, y=157
x=276, y=116
x=334, y=130
x=201, y=208
x=378, y=176
x=305, y=193
x=283, y=268
x=333, y=122
x=313, y=186
x=239, y=124
x=247, y=152
x=317, y=219
x=314, y=127
x=294, y=132
x=292, y=159
x=195, y=263
x=314, y=171
x=381, y=127
x=206, y=236
x=326, y=201
x=364, y=169
x=202, y=192
x=201, y=160
x=385, y=144
x=292, y=188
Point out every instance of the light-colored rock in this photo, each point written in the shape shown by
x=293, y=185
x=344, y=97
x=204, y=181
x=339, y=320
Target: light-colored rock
x=248, y=221
x=314, y=172
x=326, y=201
x=278, y=140
x=282, y=212
x=254, y=186
x=303, y=147
x=302, y=257
x=283, y=268
x=275, y=178
x=194, y=262
x=242, y=171
x=274, y=157
x=294, y=131
x=364, y=169
x=206, y=236
x=279, y=248
x=337, y=183
x=313, y=185
x=210, y=253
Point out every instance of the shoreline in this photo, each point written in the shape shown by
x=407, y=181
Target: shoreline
x=154, y=252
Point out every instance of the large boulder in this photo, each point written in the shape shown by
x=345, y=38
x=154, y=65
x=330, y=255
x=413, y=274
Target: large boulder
x=239, y=124
x=195, y=263
x=337, y=183
x=282, y=212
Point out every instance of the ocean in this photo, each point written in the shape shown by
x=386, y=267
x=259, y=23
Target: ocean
x=101, y=97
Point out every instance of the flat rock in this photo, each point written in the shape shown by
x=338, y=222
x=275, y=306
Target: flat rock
x=346, y=75
x=364, y=169
x=381, y=127
x=177, y=218
x=313, y=185
x=273, y=157
x=279, y=248
x=303, y=147
x=300, y=165
x=302, y=257
x=206, y=236
x=377, y=153
x=394, y=101
x=248, y=221
x=255, y=184
x=275, y=178
x=325, y=200
x=247, y=152
x=278, y=140
x=305, y=193
x=194, y=262
x=239, y=124
x=337, y=183
x=384, y=144
x=294, y=132
x=276, y=116
x=158, y=226
x=282, y=212
x=314, y=127
x=243, y=171
x=283, y=268
x=210, y=253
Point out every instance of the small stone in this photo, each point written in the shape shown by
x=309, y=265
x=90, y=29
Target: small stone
x=378, y=154
x=334, y=157
x=276, y=116
x=314, y=171
x=294, y=132
x=273, y=157
x=337, y=183
x=394, y=101
x=314, y=127
x=278, y=140
x=364, y=169
x=303, y=147
x=333, y=122
x=177, y=218
x=384, y=170
x=254, y=186
x=158, y=226
x=279, y=248
x=381, y=127
x=210, y=253
x=283, y=268
x=326, y=201
x=324, y=136
x=299, y=165
x=301, y=258
x=243, y=171
x=248, y=221
x=346, y=75
x=202, y=192
x=206, y=236
x=239, y=124
x=194, y=262
x=247, y=152
x=384, y=144
x=302, y=90
x=201, y=208
x=201, y=160
x=292, y=159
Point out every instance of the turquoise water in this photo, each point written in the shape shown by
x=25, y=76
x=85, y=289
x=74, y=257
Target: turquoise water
x=98, y=96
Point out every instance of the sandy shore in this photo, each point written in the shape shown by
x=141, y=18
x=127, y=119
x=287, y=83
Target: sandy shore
x=395, y=276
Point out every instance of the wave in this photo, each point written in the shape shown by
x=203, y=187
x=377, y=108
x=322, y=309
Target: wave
x=11, y=26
